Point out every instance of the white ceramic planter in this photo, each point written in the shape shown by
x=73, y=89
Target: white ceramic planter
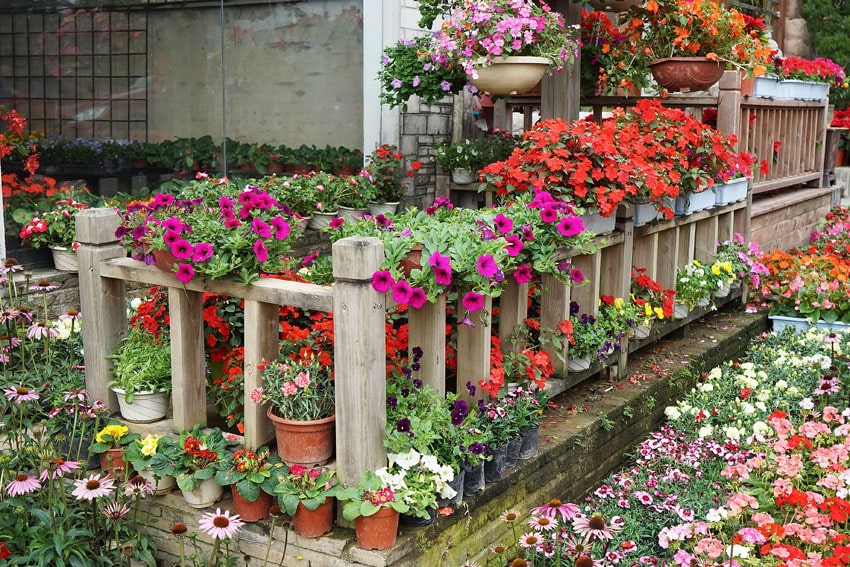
x=320, y=220
x=704, y=302
x=162, y=485
x=646, y=213
x=64, y=260
x=597, y=224
x=731, y=192
x=351, y=214
x=722, y=290
x=793, y=89
x=206, y=494
x=510, y=75
x=766, y=87
x=680, y=310
x=643, y=331
x=464, y=176
x=694, y=202
x=376, y=209
x=147, y=407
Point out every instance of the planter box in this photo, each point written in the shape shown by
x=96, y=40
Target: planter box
x=792, y=89
x=801, y=324
x=731, y=192
x=765, y=87
x=694, y=202
x=597, y=224
x=646, y=213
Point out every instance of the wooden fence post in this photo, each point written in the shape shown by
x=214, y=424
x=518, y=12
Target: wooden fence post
x=262, y=335
x=427, y=330
x=359, y=358
x=188, y=368
x=473, y=350
x=102, y=300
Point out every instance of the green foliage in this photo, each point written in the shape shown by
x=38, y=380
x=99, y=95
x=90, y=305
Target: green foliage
x=142, y=363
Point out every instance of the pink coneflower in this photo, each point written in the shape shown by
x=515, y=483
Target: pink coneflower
x=138, y=486
x=41, y=330
x=20, y=393
x=509, y=516
x=43, y=285
x=587, y=561
x=555, y=508
x=220, y=524
x=22, y=484
x=71, y=314
x=115, y=511
x=382, y=281
x=92, y=487
x=57, y=468
x=531, y=539
x=542, y=523
x=594, y=526
x=75, y=394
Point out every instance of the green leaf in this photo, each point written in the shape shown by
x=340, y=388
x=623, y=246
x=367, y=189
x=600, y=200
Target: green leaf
x=248, y=490
x=289, y=503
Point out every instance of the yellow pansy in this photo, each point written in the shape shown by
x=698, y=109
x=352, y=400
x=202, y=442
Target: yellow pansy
x=619, y=303
x=114, y=431
x=659, y=312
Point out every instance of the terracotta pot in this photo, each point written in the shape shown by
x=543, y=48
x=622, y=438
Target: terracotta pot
x=840, y=157
x=164, y=260
x=112, y=462
x=510, y=75
x=308, y=443
x=748, y=86
x=138, y=163
x=412, y=260
x=377, y=531
x=685, y=74
x=252, y=511
x=314, y=523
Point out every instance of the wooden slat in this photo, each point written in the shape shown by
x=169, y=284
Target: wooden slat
x=262, y=334
x=668, y=258
x=513, y=310
x=774, y=184
x=189, y=392
x=427, y=330
x=587, y=295
x=705, y=240
x=473, y=350
x=645, y=253
x=554, y=308
x=268, y=290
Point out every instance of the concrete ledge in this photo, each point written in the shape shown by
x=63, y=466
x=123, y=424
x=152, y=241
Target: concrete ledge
x=577, y=450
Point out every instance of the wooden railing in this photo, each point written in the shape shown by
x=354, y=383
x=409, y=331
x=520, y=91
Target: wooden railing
x=359, y=320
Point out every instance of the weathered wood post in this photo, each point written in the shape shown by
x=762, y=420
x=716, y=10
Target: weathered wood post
x=188, y=368
x=554, y=308
x=359, y=358
x=427, y=330
x=513, y=310
x=262, y=332
x=102, y=300
x=473, y=350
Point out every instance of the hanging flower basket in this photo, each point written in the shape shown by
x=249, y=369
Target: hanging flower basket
x=685, y=74
x=510, y=75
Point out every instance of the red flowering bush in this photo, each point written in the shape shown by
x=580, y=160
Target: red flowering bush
x=819, y=70
x=649, y=152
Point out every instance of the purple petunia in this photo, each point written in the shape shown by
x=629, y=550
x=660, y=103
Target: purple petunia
x=473, y=301
x=202, y=252
x=487, y=266
x=281, y=228
x=261, y=251
x=382, y=281
x=261, y=228
x=503, y=224
x=570, y=226
x=577, y=276
x=336, y=222
x=402, y=292
x=417, y=299
x=514, y=246
x=181, y=249
x=522, y=274
x=185, y=273
x=232, y=223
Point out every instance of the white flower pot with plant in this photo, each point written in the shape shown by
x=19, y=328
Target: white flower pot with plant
x=142, y=376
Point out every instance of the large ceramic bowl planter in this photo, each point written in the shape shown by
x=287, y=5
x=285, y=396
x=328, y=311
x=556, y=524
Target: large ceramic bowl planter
x=685, y=74
x=205, y=494
x=64, y=259
x=510, y=75
x=146, y=407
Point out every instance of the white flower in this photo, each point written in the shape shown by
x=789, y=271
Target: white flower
x=733, y=433
x=747, y=408
x=738, y=551
x=405, y=460
x=761, y=406
x=445, y=473
x=763, y=395
x=780, y=385
x=792, y=391
x=807, y=404
x=444, y=490
x=135, y=303
x=394, y=481
x=430, y=463
x=715, y=373
x=761, y=428
x=706, y=387
x=705, y=431
x=716, y=514
x=672, y=413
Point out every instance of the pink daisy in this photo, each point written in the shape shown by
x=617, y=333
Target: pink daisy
x=554, y=508
x=220, y=524
x=92, y=487
x=20, y=393
x=594, y=526
x=542, y=523
x=22, y=484
x=532, y=539
x=57, y=468
x=115, y=511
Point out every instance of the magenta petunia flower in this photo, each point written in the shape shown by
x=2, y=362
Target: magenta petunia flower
x=182, y=249
x=473, y=301
x=172, y=224
x=514, y=246
x=225, y=203
x=203, y=251
x=244, y=212
x=382, y=281
x=548, y=213
x=577, y=276
x=570, y=226
x=336, y=222
x=261, y=228
x=522, y=274
x=437, y=260
x=443, y=276
x=185, y=273
x=503, y=224
x=527, y=233
x=418, y=299
x=261, y=251
x=281, y=228
x=402, y=292
x=487, y=266
x=232, y=223
x=170, y=237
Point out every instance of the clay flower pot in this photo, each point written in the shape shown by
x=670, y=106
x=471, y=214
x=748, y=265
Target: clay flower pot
x=377, y=531
x=314, y=523
x=308, y=443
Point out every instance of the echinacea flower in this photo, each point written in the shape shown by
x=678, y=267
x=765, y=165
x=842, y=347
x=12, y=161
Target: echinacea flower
x=57, y=468
x=92, y=487
x=220, y=524
x=22, y=484
x=555, y=508
x=43, y=285
x=115, y=510
x=593, y=526
x=20, y=393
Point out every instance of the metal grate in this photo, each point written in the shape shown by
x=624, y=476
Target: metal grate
x=77, y=73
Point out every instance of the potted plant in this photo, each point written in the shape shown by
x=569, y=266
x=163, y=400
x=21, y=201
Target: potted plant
x=110, y=443
x=694, y=284
x=483, y=38
x=528, y=406
x=139, y=454
x=591, y=338
x=502, y=427
x=307, y=495
x=299, y=393
x=193, y=460
x=463, y=159
x=216, y=230
x=407, y=69
x=374, y=508
x=610, y=63
x=383, y=170
x=654, y=302
x=252, y=476
x=56, y=229
x=807, y=78
x=141, y=375
x=297, y=192
x=716, y=37
x=416, y=478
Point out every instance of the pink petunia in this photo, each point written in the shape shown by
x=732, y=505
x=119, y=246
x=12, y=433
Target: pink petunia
x=522, y=274
x=503, y=224
x=185, y=273
x=261, y=228
x=514, y=246
x=261, y=251
x=402, y=292
x=487, y=266
x=418, y=299
x=203, y=251
x=281, y=228
x=382, y=281
x=473, y=301
x=570, y=226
